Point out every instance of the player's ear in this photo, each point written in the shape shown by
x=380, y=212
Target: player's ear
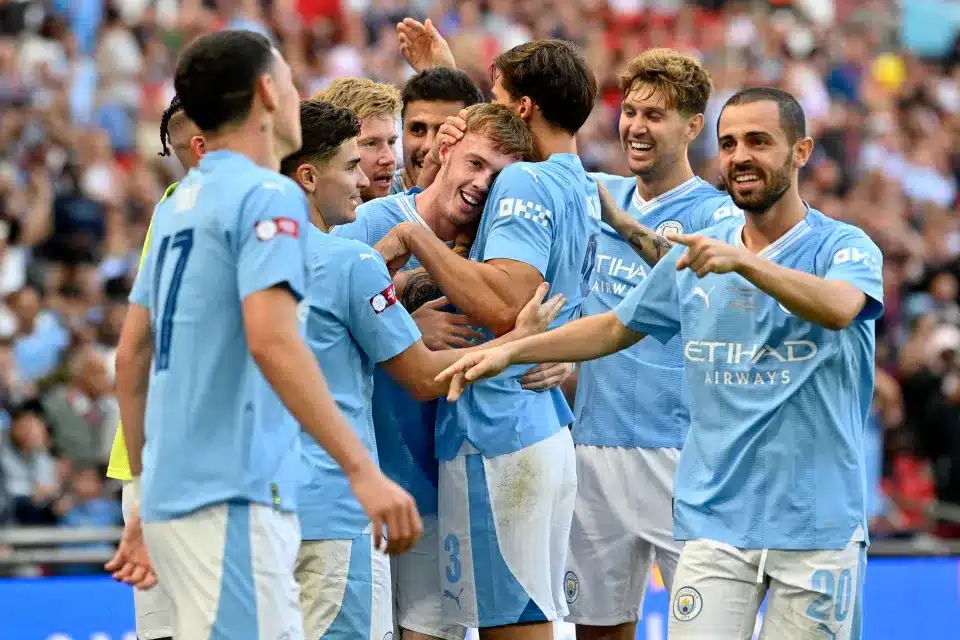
x=525, y=108
x=444, y=152
x=306, y=177
x=198, y=146
x=694, y=127
x=802, y=149
x=266, y=89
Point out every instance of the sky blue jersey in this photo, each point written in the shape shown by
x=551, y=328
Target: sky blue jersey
x=396, y=186
x=547, y=215
x=636, y=397
x=403, y=426
x=215, y=430
x=354, y=321
x=774, y=457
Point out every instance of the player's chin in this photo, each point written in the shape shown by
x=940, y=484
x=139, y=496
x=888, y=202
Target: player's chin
x=641, y=167
x=376, y=190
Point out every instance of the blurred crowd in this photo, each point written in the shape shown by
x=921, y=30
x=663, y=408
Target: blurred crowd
x=83, y=84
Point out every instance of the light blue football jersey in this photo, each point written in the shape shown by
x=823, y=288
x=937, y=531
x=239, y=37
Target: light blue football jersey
x=215, y=430
x=636, y=397
x=396, y=187
x=404, y=427
x=545, y=214
x=774, y=456
x=353, y=322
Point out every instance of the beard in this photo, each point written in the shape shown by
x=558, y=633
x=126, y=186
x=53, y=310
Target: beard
x=774, y=186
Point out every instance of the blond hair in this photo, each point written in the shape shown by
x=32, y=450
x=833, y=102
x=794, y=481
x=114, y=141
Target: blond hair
x=366, y=98
x=504, y=128
x=682, y=81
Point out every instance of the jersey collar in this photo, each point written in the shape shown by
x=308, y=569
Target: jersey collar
x=779, y=246
x=646, y=206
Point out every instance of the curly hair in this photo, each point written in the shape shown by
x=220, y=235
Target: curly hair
x=325, y=127
x=682, y=81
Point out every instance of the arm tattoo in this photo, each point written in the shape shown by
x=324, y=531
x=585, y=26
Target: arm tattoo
x=420, y=289
x=650, y=245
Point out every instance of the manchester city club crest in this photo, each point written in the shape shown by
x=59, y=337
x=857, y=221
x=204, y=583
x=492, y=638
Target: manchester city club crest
x=571, y=586
x=687, y=604
x=669, y=225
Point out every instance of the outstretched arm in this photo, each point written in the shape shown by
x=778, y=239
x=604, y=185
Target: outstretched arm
x=584, y=339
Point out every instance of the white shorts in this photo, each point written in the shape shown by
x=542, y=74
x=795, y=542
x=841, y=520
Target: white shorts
x=504, y=534
x=344, y=589
x=416, y=588
x=718, y=589
x=622, y=523
x=153, y=608
x=229, y=571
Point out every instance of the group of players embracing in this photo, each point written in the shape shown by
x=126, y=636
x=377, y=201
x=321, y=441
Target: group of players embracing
x=342, y=383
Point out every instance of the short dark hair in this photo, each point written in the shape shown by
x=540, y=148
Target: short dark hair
x=174, y=108
x=555, y=76
x=792, y=119
x=325, y=127
x=441, y=84
x=216, y=76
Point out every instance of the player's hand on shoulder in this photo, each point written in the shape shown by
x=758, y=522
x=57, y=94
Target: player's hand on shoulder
x=422, y=46
x=441, y=330
x=131, y=563
x=546, y=376
x=536, y=315
x=708, y=255
x=392, y=512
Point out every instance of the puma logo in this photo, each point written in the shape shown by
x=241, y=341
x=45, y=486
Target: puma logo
x=700, y=293
x=456, y=598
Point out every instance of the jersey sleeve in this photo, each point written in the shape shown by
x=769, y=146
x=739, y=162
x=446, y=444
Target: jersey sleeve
x=522, y=227
x=712, y=211
x=271, y=239
x=851, y=256
x=653, y=306
x=140, y=294
x=378, y=322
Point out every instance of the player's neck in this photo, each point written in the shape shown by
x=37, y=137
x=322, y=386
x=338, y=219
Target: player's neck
x=761, y=229
x=548, y=141
x=250, y=140
x=653, y=186
x=317, y=219
x=428, y=206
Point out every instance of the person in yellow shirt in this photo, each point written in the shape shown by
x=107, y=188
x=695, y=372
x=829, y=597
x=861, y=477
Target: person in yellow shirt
x=154, y=611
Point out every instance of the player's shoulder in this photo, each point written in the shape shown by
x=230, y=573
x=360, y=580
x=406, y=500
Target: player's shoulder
x=711, y=205
x=840, y=241
x=338, y=253
x=621, y=188
x=726, y=229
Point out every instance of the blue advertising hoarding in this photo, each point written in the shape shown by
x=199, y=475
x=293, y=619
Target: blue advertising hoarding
x=905, y=598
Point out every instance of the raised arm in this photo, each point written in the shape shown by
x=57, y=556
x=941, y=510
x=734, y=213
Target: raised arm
x=648, y=244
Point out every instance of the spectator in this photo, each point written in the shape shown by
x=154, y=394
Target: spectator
x=86, y=505
x=81, y=412
x=29, y=469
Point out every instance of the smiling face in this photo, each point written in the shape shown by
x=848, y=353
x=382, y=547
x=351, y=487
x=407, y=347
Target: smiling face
x=653, y=136
x=469, y=169
x=421, y=122
x=758, y=161
x=378, y=155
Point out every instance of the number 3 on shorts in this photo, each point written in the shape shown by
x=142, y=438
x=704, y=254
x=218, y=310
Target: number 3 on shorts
x=839, y=592
x=451, y=544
